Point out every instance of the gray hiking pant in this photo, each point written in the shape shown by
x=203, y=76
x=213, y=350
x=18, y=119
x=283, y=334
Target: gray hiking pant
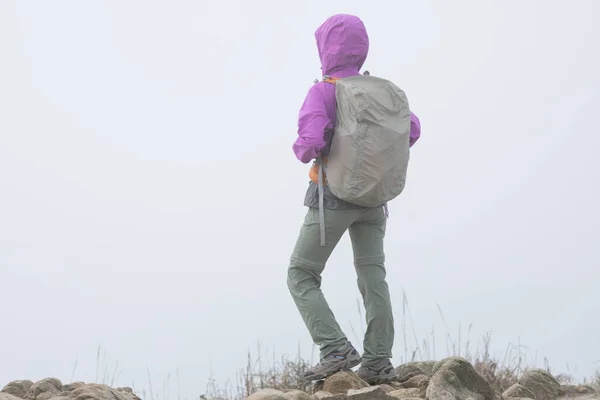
x=367, y=231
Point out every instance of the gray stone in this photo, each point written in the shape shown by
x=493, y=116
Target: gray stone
x=72, y=386
x=387, y=388
x=322, y=395
x=541, y=383
x=415, y=381
x=18, y=388
x=296, y=395
x=267, y=394
x=44, y=389
x=343, y=381
x=368, y=393
x=518, y=391
x=415, y=368
x=456, y=378
x=8, y=396
x=405, y=394
x=579, y=392
x=94, y=391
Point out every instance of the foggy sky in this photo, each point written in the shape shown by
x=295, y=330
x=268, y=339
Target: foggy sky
x=150, y=199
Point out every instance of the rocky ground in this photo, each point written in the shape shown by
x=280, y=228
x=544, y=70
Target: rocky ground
x=450, y=379
x=52, y=388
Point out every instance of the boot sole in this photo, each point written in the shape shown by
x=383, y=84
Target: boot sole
x=380, y=380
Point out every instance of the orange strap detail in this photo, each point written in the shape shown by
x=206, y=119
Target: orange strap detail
x=333, y=81
x=314, y=172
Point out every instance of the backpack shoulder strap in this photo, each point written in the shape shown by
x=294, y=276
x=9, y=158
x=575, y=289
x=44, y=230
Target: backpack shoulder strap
x=331, y=80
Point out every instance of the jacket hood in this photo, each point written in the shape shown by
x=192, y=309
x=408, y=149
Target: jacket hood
x=343, y=44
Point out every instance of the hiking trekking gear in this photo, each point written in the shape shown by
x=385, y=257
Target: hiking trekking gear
x=366, y=227
x=369, y=153
x=378, y=374
x=345, y=357
x=370, y=148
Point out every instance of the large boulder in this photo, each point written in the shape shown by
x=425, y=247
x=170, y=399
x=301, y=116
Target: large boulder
x=72, y=386
x=579, y=392
x=18, y=388
x=368, y=393
x=267, y=394
x=94, y=391
x=387, y=388
x=343, y=381
x=44, y=389
x=517, y=391
x=456, y=378
x=317, y=386
x=414, y=368
x=415, y=381
x=296, y=395
x=405, y=394
x=541, y=383
x=322, y=395
x=8, y=396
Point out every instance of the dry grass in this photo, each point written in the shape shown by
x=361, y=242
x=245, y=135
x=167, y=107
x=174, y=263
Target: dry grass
x=500, y=374
x=595, y=383
x=281, y=374
x=285, y=374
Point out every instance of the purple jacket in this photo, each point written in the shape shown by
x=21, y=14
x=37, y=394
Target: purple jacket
x=343, y=46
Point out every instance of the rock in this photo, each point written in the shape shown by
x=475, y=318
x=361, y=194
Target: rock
x=127, y=393
x=415, y=381
x=578, y=392
x=405, y=394
x=343, y=381
x=387, y=388
x=267, y=394
x=423, y=385
x=456, y=378
x=296, y=395
x=415, y=368
x=318, y=386
x=8, y=396
x=518, y=391
x=368, y=393
x=520, y=398
x=44, y=389
x=94, y=391
x=72, y=386
x=541, y=383
x=406, y=398
x=397, y=385
x=575, y=390
x=18, y=388
x=321, y=395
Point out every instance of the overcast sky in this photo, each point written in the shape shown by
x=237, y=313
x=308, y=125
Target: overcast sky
x=150, y=198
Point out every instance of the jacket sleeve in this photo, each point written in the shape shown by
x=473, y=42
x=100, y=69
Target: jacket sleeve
x=312, y=124
x=415, y=129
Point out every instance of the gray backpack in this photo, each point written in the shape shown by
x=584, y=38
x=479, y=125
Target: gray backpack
x=369, y=152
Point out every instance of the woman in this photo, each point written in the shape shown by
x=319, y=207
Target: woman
x=343, y=44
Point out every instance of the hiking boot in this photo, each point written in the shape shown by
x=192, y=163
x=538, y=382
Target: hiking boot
x=346, y=357
x=378, y=374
